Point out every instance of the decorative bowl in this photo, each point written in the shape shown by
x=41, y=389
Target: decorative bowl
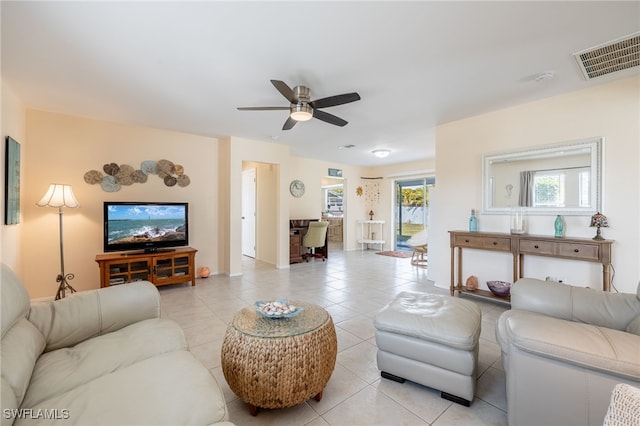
x=500, y=288
x=280, y=308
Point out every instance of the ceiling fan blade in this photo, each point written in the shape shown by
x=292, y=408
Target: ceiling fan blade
x=288, y=125
x=286, y=91
x=263, y=108
x=329, y=118
x=335, y=100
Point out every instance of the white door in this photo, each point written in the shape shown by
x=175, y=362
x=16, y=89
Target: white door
x=249, y=212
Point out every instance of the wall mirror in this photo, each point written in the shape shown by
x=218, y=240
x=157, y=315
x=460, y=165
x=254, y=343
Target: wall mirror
x=564, y=178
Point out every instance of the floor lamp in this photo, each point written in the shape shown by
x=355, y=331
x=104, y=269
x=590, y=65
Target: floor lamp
x=60, y=196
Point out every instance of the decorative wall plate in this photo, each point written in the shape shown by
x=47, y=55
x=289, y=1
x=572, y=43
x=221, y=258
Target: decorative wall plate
x=296, y=188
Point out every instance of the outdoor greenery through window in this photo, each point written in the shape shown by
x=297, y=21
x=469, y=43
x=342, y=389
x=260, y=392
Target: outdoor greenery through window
x=412, y=208
x=550, y=188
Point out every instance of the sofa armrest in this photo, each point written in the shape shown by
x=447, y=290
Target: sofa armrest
x=589, y=346
x=87, y=314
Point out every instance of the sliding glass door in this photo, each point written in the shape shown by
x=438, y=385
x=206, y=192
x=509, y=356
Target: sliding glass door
x=411, y=209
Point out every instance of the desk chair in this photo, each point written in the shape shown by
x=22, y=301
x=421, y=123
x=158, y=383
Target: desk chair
x=315, y=238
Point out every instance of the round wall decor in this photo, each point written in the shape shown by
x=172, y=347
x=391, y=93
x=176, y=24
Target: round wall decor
x=296, y=188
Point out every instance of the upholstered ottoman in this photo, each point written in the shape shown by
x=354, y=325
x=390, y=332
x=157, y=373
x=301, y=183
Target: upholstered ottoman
x=430, y=339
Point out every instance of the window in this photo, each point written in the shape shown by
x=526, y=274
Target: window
x=570, y=187
x=584, y=179
x=549, y=189
x=333, y=198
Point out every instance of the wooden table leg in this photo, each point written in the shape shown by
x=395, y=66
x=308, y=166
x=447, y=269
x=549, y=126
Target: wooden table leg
x=318, y=397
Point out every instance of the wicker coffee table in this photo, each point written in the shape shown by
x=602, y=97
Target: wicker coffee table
x=278, y=363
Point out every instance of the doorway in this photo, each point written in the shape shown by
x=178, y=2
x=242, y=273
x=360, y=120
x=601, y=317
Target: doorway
x=333, y=202
x=411, y=209
x=249, y=212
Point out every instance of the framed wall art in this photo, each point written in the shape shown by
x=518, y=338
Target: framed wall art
x=12, y=182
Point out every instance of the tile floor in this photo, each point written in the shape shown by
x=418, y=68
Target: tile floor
x=352, y=286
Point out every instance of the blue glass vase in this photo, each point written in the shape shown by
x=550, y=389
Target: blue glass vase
x=559, y=227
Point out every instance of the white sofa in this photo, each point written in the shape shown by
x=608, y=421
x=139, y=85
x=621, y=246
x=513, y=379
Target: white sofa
x=564, y=349
x=100, y=357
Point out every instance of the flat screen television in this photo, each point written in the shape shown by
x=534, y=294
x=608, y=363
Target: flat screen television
x=145, y=226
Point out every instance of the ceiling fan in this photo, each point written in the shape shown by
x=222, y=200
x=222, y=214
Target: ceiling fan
x=302, y=108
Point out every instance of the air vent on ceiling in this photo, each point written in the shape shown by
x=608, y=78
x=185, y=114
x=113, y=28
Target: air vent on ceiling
x=611, y=57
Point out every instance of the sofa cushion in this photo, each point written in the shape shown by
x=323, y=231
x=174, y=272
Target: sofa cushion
x=593, y=347
x=62, y=370
x=602, y=308
x=169, y=389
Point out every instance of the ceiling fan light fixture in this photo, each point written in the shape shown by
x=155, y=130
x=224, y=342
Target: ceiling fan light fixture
x=301, y=112
x=381, y=153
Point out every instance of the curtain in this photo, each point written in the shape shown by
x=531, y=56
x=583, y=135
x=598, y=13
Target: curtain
x=526, y=189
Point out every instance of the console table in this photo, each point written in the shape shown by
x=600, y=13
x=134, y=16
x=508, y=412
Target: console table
x=368, y=234
x=519, y=246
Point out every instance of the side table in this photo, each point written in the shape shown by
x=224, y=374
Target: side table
x=278, y=363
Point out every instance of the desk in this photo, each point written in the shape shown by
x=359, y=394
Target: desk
x=300, y=227
x=295, y=248
x=520, y=245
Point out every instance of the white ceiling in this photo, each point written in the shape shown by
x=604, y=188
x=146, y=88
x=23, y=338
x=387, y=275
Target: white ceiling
x=186, y=66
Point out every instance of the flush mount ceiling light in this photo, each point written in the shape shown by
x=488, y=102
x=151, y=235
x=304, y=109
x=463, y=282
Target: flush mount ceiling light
x=381, y=153
x=544, y=76
x=301, y=112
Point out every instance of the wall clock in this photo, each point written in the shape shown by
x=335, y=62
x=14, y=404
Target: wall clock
x=296, y=188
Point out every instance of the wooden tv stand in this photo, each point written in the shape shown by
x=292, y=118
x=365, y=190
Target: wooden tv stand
x=161, y=268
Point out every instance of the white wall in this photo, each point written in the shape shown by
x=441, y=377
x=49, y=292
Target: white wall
x=611, y=111
x=12, y=124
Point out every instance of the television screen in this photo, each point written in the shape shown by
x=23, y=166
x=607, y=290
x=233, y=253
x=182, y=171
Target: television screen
x=145, y=226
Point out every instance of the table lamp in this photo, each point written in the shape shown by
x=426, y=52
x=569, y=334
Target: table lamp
x=60, y=196
x=599, y=221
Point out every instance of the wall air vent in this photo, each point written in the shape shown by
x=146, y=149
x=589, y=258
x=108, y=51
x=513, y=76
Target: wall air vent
x=618, y=55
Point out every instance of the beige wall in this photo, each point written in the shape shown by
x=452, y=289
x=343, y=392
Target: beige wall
x=62, y=148
x=611, y=111
x=310, y=206
x=12, y=124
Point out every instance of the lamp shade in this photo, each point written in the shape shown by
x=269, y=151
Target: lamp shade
x=59, y=195
x=599, y=220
